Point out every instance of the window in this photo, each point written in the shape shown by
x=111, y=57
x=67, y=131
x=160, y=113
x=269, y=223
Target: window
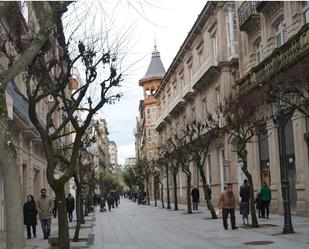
x=205, y=110
x=190, y=73
x=258, y=51
x=305, y=5
x=218, y=95
x=182, y=82
x=200, y=56
x=24, y=10
x=193, y=114
x=280, y=33
x=151, y=114
x=214, y=39
x=263, y=146
x=147, y=93
x=231, y=27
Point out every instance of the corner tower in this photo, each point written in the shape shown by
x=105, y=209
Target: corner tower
x=152, y=79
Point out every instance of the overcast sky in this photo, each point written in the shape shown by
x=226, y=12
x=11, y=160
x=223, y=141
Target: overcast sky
x=142, y=22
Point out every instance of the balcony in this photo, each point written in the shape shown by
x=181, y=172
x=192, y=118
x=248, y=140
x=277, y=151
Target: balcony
x=160, y=122
x=187, y=92
x=280, y=60
x=268, y=7
x=176, y=105
x=204, y=71
x=248, y=17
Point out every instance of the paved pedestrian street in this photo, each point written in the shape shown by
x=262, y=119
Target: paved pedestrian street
x=132, y=226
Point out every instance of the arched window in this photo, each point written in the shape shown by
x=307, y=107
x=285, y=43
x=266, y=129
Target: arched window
x=279, y=30
x=147, y=93
x=258, y=51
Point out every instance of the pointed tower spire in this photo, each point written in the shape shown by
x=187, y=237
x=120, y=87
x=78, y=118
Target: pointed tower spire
x=155, y=68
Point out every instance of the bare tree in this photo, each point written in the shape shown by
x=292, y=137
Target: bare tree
x=160, y=174
x=18, y=53
x=75, y=102
x=144, y=168
x=199, y=136
x=240, y=116
x=168, y=152
x=84, y=166
x=181, y=157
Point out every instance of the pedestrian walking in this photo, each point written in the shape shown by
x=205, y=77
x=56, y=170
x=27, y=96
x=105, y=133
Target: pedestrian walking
x=30, y=213
x=244, y=193
x=258, y=204
x=265, y=196
x=195, y=193
x=70, y=206
x=55, y=208
x=102, y=204
x=109, y=202
x=227, y=202
x=45, y=207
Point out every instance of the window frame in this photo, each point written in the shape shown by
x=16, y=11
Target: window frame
x=258, y=46
x=279, y=30
x=305, y=9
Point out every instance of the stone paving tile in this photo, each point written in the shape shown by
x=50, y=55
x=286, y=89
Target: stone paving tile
x=146, y=227
x=40, y=243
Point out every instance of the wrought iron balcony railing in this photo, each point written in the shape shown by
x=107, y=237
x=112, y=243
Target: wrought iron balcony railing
x=246, y=13
x=279, y=60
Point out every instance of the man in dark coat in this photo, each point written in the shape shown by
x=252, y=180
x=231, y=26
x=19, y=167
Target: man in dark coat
x=195, y=193
x=30, y=213
x=244, y=193
x=70, y=206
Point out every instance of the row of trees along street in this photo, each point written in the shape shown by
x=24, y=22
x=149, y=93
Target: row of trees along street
x=239, y=116
x=45, y=60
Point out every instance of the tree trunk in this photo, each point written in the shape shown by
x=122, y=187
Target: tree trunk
x=189, y=192
x=162, y=193
x=167, y=189
x=147, y=189
x=207, y=197
x=175, y=191
x=252, y=204
x=78, y=211
x=13, y=199
x=155, y=191
x=63, y=227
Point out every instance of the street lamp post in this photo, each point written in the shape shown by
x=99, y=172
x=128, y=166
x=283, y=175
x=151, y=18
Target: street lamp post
x=281, y=109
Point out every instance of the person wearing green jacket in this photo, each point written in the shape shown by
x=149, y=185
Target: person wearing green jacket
x=265, y=197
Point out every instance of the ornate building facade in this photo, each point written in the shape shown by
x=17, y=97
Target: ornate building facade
x=274, y=37
x=238, y=46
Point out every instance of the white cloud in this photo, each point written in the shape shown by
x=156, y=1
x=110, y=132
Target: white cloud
x=124, y=151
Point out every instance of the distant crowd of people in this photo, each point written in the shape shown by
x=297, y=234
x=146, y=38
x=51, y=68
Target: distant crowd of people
x=112, y=199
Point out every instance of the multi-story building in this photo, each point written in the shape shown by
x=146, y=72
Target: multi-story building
x=239, y=46
x=273, y=42
x=139, y=131
x=102, y=143
x=23, y=22
x=113, y=157
x=200, y=76
x=130, y=161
